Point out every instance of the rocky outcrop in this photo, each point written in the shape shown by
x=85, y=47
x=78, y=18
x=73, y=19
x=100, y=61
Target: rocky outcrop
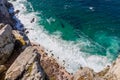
x=84, y=74
x=52, y=68
x=34, y=63
x=26, y=66
x=3, y=8
x=22, y=38
x=109, y=73
x=6, y=42
x=114, y=71
x=4, y=14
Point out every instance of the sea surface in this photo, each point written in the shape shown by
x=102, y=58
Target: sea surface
x=77, y=32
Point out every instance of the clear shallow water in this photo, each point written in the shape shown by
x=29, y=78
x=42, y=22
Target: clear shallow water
x=83, y=33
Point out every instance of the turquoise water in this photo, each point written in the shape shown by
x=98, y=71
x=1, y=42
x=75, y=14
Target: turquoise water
x=95, y=20
x=80, y=32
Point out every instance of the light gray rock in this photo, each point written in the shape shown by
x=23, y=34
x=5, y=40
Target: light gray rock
x=6, y=43
x=26, y=66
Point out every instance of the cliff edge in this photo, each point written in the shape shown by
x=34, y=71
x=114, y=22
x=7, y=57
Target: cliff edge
x=21, y=59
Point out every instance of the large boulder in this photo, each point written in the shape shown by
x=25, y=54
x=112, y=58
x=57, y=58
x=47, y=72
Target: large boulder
x=6, y=42
x=26, y=66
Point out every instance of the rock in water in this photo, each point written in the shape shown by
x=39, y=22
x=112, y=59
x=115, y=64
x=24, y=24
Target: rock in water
x=6, y=43
x=26, y=66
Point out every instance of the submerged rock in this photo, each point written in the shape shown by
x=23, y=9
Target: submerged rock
x=26, y=66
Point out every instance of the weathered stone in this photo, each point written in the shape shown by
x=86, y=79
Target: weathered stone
x=84, y=74
x=6, y=43
x=4, y=14
x=3, y=8
x=22, y=38
x=103, y=72
x=26, y=66
x=1, y=25
x=114, y=71
x=53, y=69
x=2, y=68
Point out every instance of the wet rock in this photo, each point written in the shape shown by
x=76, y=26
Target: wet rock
x=6, y=43
x=26, y=66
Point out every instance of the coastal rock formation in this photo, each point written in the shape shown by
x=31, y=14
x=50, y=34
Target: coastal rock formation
x=26, y=66
x=4, y=14
x=109, y=73
x=6, y=42
x=114, y=71
x=31, y=61
x=84, y=74
x=52, y=68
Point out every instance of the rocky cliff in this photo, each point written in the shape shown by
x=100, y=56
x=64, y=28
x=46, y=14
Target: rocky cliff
x=21, y=59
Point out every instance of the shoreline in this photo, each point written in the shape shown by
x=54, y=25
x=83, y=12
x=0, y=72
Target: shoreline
x=29, y=61
x=57, y=45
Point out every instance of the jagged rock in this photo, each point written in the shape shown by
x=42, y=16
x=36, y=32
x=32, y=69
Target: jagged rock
x=84, y=74
x=103, y=72
x=6, y=43
x=3, y=8
x=22, y=38
x=4, y=14
x=26, y=66
x=2, y=68
x=114, y=71
x=53, y=69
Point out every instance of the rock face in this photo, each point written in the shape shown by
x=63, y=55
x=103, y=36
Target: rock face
x=109, y=73
x=6, y=42
x=34, y=63
x=4, y=14
x=50, y=65
x=22, y=38
x=3, y=8
x=84, y=74
x=114, y=71
x=26, y=66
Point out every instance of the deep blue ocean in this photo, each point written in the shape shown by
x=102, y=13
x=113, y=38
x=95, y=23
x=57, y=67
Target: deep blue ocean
x=81, y=32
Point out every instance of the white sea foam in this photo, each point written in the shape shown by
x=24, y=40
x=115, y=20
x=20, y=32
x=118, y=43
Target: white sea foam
x=65, y=50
